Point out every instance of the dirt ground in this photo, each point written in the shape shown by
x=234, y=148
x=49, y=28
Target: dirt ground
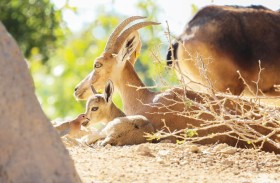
x=166, y=162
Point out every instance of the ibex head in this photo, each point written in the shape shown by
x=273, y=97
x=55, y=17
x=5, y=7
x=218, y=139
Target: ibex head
x=122, y=46
x=98, y=107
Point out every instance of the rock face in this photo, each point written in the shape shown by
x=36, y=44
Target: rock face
x=30, y=149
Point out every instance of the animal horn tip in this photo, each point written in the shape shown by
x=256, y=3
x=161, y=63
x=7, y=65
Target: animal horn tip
x=153, y=23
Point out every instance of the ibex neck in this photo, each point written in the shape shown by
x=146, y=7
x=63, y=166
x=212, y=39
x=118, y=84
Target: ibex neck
x=132, y=90
x=114, y=112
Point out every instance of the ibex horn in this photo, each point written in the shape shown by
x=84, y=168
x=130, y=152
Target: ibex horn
x=123, y=36
x=113, y=37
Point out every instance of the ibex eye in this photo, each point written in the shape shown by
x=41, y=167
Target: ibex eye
x=94, y=109
x=97, y=65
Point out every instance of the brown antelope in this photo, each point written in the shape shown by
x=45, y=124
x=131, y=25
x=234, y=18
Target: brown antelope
x=116, y=63
x=235, y=39
x=119, y=130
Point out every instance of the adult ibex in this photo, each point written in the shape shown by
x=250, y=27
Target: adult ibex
x=169, y=107
x=235, y=39
x=116, y=63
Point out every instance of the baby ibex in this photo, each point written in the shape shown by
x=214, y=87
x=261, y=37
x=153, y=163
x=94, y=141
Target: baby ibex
x=119, y=130
x=168, y=108
x=235, y=39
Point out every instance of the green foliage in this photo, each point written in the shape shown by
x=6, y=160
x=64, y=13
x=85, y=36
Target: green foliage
x=194, y=9
x=35, y=24
x=149, y=9
x=191, y=133
x=56, y=79
x=188, y=133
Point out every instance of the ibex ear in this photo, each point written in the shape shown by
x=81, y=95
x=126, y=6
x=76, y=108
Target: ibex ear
x=108, y=92
x=129, y=47
x=136, y=53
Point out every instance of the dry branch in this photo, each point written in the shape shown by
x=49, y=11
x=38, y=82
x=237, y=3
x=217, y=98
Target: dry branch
x=245, y=118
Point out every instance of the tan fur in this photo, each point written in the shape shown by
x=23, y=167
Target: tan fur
x=144, y=102
x=120, y=129
x=106, y=111
x=73, y=128
x=235, y=38
x=127, y=130
x=189, y=66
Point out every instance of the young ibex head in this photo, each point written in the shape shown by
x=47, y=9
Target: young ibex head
x=100, y=108
x=122, y=46
x=119, y=129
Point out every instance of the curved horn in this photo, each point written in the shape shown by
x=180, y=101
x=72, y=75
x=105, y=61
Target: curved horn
x=113, y=37
x=123, y=36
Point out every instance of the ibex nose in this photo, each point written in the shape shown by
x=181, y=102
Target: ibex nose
x=76, y=89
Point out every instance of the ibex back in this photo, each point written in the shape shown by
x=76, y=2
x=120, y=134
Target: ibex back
x=235, y=39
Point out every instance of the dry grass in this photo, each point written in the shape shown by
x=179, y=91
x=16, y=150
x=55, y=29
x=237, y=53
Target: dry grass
x=244, y=116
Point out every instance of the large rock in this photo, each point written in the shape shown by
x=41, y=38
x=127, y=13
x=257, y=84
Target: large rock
x=30, y=149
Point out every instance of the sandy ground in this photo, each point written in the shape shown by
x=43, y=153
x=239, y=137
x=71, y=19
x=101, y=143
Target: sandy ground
x=166, y=162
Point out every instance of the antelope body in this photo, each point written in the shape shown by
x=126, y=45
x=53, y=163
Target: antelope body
x=116, y=63
x=120, y=129
x=160, y=108
x=235, y=39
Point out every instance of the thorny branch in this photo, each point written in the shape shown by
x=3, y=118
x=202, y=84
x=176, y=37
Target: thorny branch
x=240, y=114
